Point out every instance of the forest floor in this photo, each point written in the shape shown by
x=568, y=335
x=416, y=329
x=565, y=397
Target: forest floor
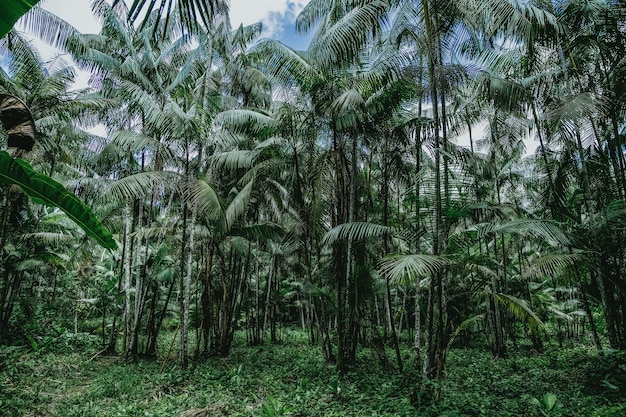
x=62, y=377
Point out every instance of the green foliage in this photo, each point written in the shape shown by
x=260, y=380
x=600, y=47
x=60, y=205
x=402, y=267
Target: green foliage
x=271, y=408
x=607, y=374
x=11, y=11
x=292, y=380
x=44, y=190
x=547, y=404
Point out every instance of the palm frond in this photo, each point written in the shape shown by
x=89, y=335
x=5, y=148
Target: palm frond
x=342, y=41
x=244, y=121
x=409, y=267
x=189, y=12
x=286, y=66
x=50, y=238
x=464, y=325
x=259, y=231
x=200, y=194
x=49, y=27
x=356, y=231
x=235, y=159
x=549, y=231
x=238, y=205
x=138, y=185
x=552, y=264
x=520, y=309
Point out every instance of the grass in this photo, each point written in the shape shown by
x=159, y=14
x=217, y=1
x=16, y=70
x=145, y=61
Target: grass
x=62, y=379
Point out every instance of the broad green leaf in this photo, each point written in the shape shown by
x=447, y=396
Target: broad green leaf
x=44, y=190
x=11, y=11
x=549, y=400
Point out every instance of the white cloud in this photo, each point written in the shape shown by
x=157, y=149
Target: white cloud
x=76, y=12
x=274, y=14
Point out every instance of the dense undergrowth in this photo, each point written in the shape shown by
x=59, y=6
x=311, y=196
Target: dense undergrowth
x=63, y=376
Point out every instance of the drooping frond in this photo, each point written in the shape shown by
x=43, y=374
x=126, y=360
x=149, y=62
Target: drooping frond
x=238, y=205
x=285, y=65
x=552, y=264
x=235, y=159
x=520, y=309
x=138, y=185
x=483, y=270
x=464, y=325
x=517, y=18
x=129, y=140
x=259, y=231
x=190, y=12
x=544, y=229
x=409, y=267
x=356, y=231
x=342, y=41
x=50, y=238
x=48, y=27
x=200, y=194
x=245, y=121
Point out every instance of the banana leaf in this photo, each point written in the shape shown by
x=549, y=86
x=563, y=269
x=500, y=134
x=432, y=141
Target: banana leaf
x=44, y=190
x=10, y=11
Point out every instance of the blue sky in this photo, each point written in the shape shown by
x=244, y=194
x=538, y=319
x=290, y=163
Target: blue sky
x=278, y=18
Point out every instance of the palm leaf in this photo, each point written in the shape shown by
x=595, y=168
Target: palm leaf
x=235, y=159
x=237, y=206
x=547, y=230
x=189, y=12
x=49, y=27
x=400, y=267
x=138, y=185
x=462, y=327
x=259, y=231
x=44, y=190
x=285, y=65
x=49, y=238
x=245, y=121
x=200, y=194
x=356, y=231
x=551, y=264
x=342, y=41
x=519, y=308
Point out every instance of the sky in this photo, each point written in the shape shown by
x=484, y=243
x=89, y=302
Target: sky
x=278, y=17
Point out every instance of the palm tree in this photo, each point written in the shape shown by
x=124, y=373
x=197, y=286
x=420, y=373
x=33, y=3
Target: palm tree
x=45, y=108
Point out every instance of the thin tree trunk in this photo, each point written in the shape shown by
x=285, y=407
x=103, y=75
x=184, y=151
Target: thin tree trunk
x=127, y=262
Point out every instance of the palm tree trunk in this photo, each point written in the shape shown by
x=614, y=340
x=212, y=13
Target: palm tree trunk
x=127, y=262
x=339, y=248
x=207, y=306
x=139, y=278
x=434, y=360
x=186, y=296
